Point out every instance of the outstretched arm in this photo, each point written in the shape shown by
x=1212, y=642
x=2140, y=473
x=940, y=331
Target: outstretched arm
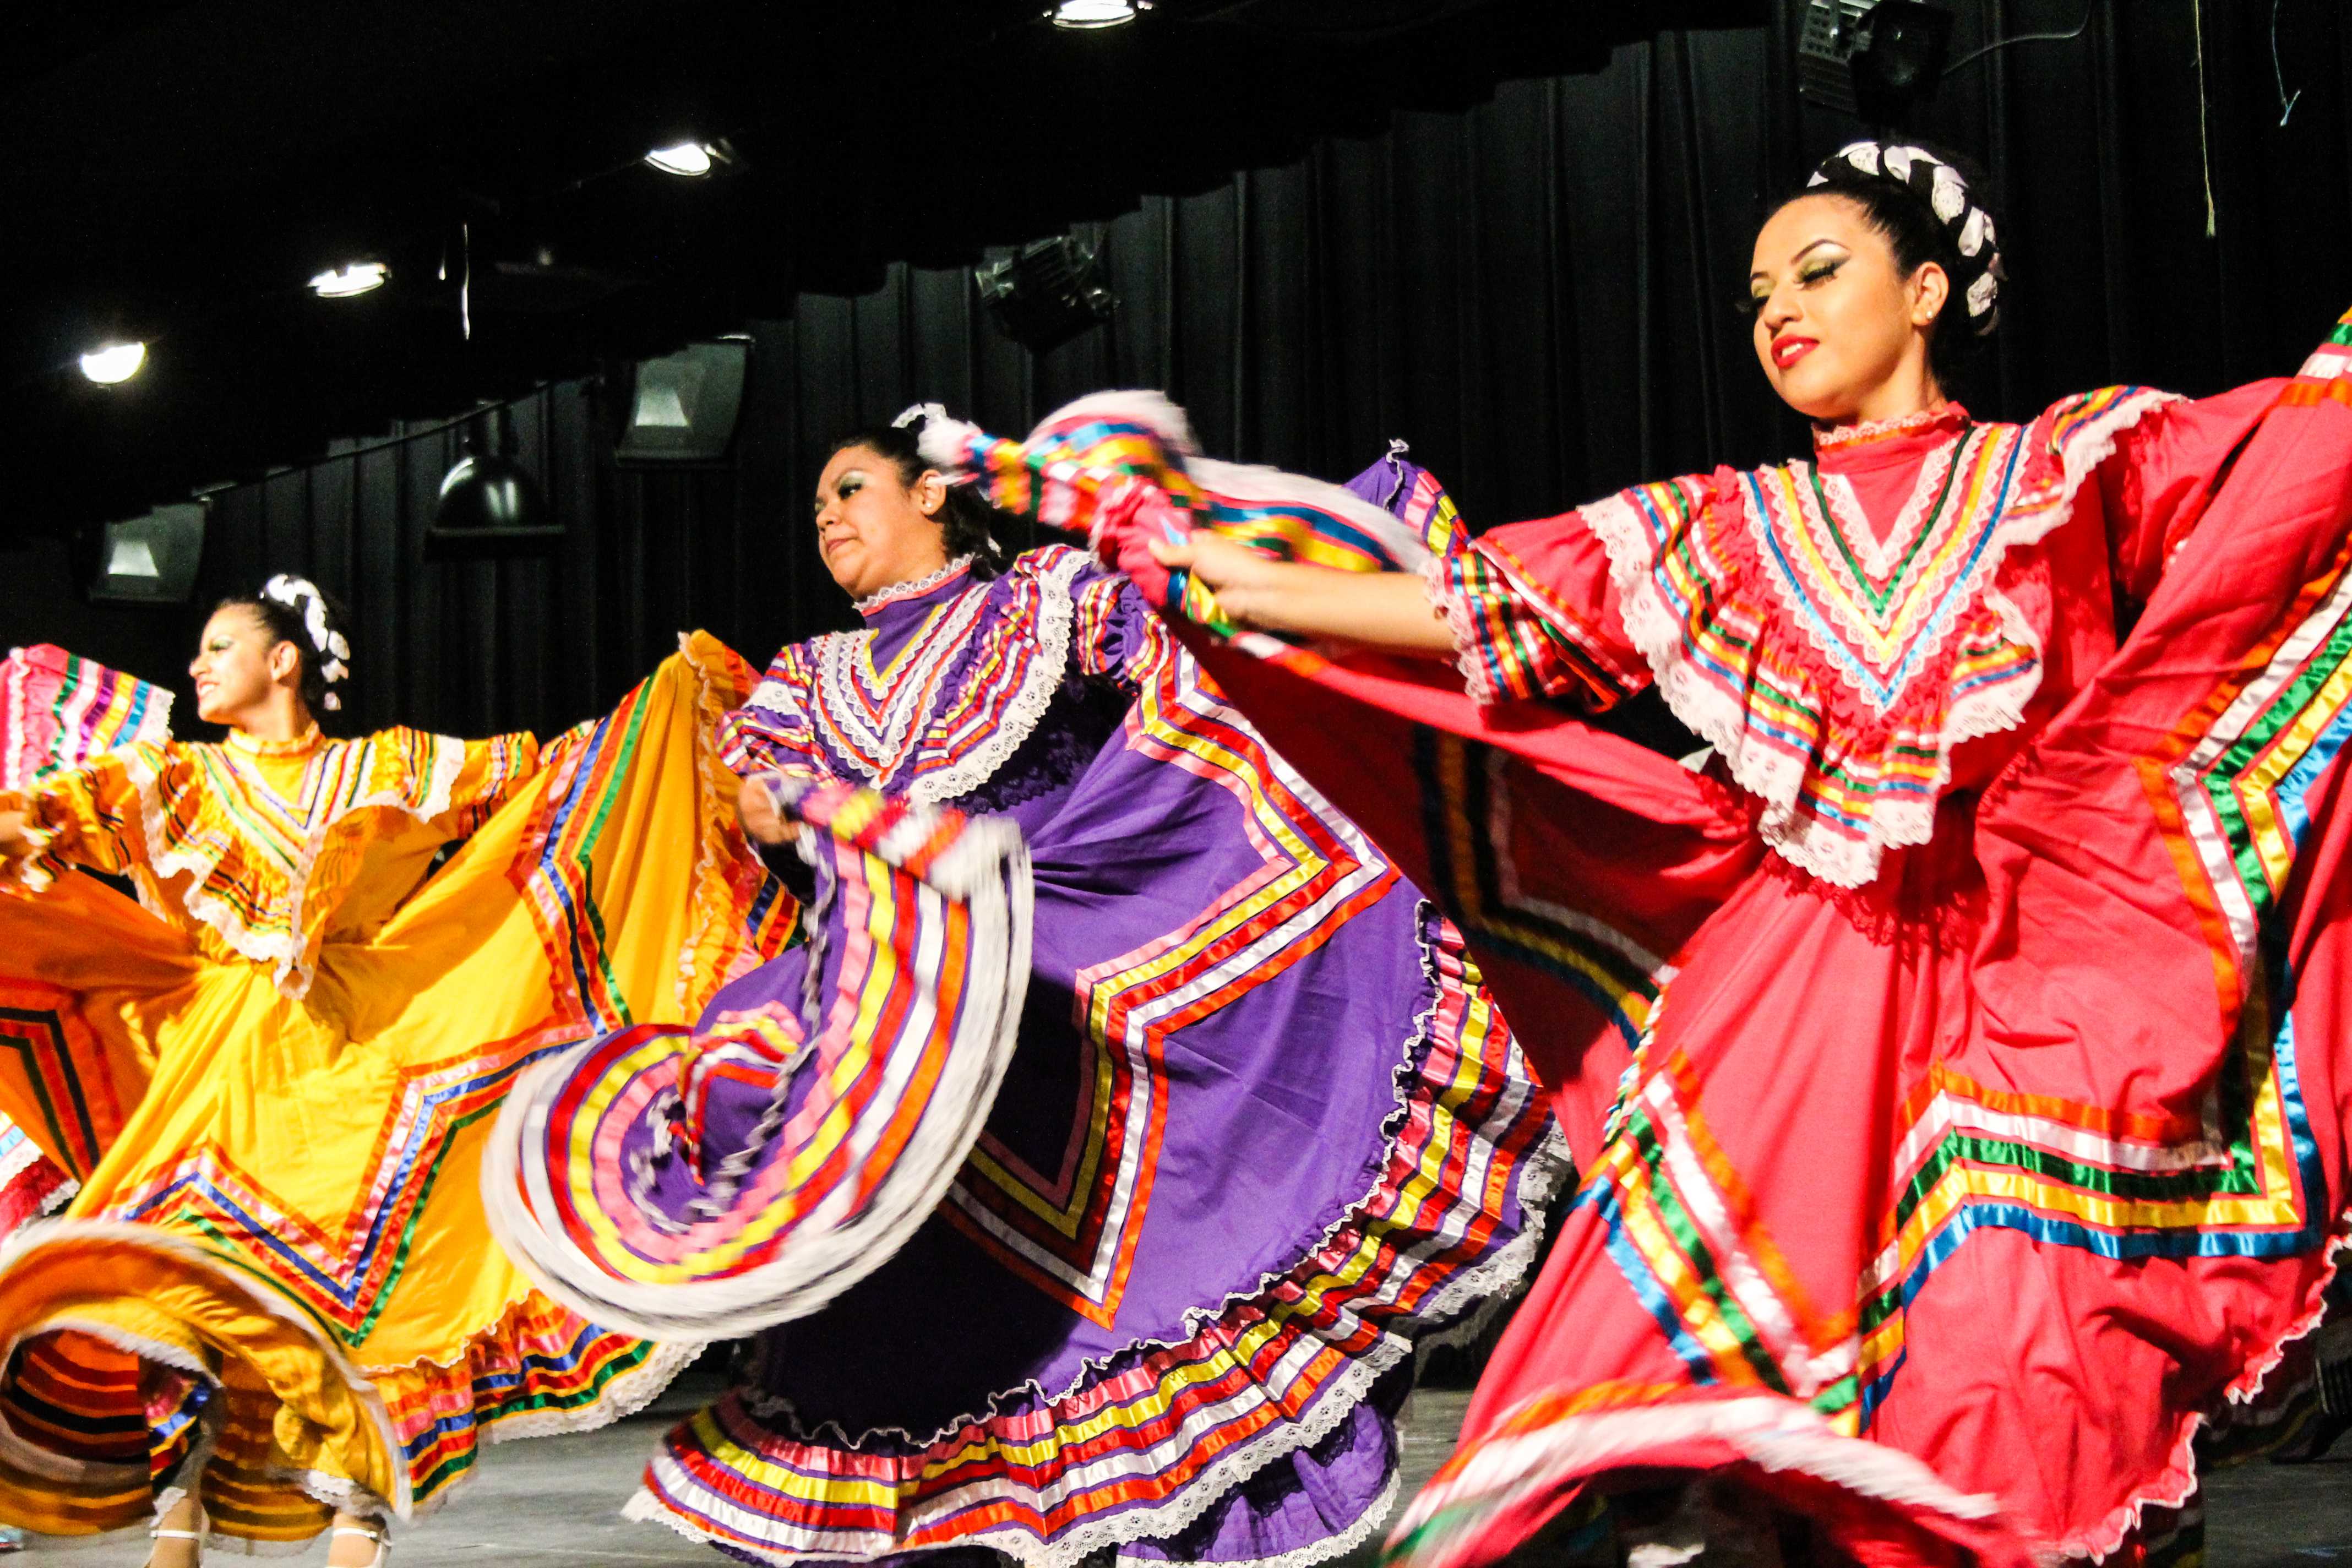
x=1385, y=610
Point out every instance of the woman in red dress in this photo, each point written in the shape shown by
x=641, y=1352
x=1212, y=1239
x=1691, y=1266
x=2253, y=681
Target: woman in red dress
x=1951, y=1059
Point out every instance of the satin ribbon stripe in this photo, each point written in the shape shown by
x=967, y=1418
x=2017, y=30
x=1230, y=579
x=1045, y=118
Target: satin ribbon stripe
x=1466, y=801
x=1073, y=1233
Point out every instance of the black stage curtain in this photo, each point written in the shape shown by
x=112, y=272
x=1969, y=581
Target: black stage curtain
x=1539, y=293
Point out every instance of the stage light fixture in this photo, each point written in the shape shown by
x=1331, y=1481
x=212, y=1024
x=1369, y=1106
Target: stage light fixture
x=150, y=559
x=1900, y=60
x=489, y=504
x=1082, y=16
x=1046, y=292
x=689, y=160
x=1875, y=59
x=683, y=407
x=354, y=277
x=113, y=363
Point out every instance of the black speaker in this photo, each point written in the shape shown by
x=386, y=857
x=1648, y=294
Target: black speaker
x=150, y=559
x=682, y=407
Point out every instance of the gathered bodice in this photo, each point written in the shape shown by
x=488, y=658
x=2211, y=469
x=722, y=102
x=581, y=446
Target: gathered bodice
x=992, y=695
x=266, y=851
x=1859, y=635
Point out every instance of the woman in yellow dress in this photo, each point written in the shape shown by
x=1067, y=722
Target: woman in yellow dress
x=274, y=1303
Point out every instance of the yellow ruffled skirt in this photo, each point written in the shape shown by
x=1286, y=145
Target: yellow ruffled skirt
x=276, y=1280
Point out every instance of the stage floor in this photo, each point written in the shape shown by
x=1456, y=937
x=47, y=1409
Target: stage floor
x=557, y=1500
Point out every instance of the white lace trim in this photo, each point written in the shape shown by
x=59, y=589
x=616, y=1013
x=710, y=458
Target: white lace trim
x=1453, y=609
x=914, y=589
x=905, y=690
x=1039, y=683
x=2179, y=1483
x=1720, y=718
x=1837, y=436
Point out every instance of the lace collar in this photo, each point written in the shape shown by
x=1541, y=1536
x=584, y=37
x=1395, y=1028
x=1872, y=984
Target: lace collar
x=1947, y=417
x=899, y=593
x=296, y=747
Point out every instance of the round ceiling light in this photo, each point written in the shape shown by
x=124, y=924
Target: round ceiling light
x=356, y=277
x=113, y=363
x=1088, y=13
x=690, y=159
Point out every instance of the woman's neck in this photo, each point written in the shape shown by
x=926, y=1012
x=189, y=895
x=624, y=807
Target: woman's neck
x=279, y=717
x=1910, y=391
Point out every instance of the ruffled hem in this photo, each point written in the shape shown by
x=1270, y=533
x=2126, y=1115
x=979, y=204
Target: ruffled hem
x=1463, y=1304
x=934, y=855
x=67, y=1260
x=2177, y=1483
x=1444, y=1526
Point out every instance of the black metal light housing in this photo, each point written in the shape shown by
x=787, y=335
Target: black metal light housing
x=150, y=560
x=1900, y=58
x=490, y=506
x=1046, y=292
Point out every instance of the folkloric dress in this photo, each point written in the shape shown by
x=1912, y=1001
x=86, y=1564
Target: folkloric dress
x=1952, y=1064
x=273, y=1083
x=1257, y=1130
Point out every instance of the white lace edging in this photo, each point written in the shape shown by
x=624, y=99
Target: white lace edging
x=1451, y=607
x=914, y=589
x=1051, y=568
x=1720, y=718
x=2178, y=1482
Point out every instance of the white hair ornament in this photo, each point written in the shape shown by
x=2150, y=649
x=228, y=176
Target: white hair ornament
x=1946, y=192
x=302, y=596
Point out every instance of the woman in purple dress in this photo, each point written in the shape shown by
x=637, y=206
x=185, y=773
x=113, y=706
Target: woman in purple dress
x=1122, y=1131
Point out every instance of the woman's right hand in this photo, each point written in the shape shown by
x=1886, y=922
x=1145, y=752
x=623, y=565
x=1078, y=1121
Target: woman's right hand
x=762, y=823
x=1385, y=610
x=1248, y=585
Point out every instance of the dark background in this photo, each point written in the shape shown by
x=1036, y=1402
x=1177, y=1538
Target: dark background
x=1537, y=291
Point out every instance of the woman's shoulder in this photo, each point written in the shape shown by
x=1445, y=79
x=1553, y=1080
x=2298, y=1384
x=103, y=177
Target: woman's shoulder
x=1057, y=565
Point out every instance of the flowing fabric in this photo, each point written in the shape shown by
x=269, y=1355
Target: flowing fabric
x=1975, y=1138
x=59, y=712
x=1149, y=1270
x=276, y=1285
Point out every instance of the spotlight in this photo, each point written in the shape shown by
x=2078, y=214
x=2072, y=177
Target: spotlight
x=355, y=278
x=691, y=160
x=1083, y=14
x=113, y=363
x=1046, y=292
